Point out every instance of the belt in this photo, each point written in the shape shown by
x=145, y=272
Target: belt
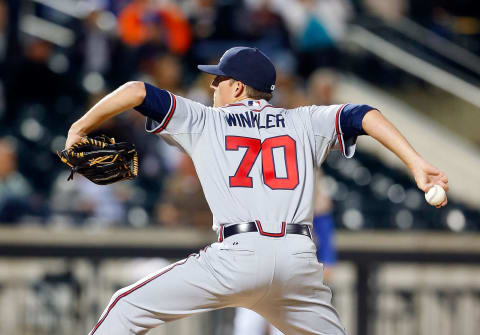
x=247, y=227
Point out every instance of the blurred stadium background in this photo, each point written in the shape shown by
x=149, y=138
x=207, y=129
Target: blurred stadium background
x=65, y=247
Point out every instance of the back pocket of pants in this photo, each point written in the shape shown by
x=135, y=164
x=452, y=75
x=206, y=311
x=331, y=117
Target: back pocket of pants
x=307, y=256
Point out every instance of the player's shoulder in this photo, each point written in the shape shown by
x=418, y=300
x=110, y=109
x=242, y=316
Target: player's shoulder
x=304, y=111
x=317, y=111
x=314, y=108
x=192, y=106
x=314, y=118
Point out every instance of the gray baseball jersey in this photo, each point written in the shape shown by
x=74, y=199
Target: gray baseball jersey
x=256, y=162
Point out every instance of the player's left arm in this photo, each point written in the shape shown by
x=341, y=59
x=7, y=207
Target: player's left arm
x=165, y=113
x=425, y=174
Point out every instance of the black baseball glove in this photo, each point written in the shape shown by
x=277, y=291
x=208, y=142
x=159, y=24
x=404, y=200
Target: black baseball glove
x=101, y=160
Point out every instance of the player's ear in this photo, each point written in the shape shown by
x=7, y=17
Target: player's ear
x=239, y=89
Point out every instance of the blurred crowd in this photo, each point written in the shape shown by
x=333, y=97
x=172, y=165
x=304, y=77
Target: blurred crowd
x=58, y=60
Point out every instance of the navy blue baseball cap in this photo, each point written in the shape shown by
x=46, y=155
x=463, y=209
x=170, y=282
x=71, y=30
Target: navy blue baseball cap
x=248, y=65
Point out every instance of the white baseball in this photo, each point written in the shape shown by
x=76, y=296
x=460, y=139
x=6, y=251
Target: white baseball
x=435, y=195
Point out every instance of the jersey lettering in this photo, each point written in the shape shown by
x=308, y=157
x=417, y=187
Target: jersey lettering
x=254, y=146
x=289, y=146
x=251, y=119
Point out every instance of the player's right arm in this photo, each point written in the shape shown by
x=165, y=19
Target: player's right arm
x=124, y=98
x=425, y=174
x=342, y=124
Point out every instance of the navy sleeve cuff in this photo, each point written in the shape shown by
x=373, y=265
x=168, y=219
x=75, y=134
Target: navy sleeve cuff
x=156, y=104
x=351, y=119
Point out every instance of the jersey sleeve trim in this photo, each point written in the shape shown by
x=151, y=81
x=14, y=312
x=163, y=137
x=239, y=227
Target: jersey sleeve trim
x=347, y=146
x=154, y=127
x=338, y=129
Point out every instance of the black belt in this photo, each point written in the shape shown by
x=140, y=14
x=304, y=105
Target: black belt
x=248, y=227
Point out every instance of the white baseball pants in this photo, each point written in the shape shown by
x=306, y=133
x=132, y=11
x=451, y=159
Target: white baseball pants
x=279, y=278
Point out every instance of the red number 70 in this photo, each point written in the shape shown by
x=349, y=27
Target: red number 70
x=254, y=147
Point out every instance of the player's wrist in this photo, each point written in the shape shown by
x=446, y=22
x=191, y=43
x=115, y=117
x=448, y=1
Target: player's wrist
x=418, y=171
x=78, y=129
x=414, y=162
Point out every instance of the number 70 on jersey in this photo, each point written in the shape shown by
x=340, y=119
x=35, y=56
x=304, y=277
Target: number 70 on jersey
x=254, y=147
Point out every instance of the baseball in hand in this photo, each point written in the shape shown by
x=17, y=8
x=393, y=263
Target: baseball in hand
x=435, y=195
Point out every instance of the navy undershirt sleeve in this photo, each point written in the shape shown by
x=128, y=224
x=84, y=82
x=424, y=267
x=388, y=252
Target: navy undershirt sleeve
x=351, y=119
x=156, y=103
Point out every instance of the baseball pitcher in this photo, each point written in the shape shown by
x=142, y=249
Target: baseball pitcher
x=256, y=163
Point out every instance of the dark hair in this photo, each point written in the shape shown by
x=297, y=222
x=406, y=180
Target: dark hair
x=258, y=95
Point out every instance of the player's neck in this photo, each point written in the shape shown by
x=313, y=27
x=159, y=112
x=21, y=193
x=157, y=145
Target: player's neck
x=240, y=98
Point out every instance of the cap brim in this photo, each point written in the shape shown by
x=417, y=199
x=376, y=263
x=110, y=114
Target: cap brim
x=212, y=69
